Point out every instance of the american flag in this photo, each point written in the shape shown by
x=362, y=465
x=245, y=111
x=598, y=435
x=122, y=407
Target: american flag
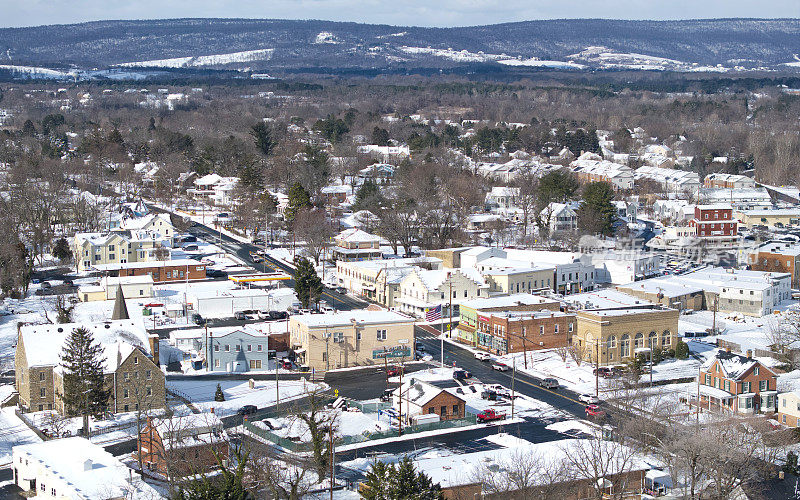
x=433, y=314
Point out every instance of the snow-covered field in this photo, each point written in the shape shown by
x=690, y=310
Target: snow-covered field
x=238, y=393
x=209, y=60
x=454, y=55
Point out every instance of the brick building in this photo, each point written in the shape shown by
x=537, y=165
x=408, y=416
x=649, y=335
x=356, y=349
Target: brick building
x=778, y=256
x=730, y=382
x=181, y=446
x=161, y=271
x=520, y=302
x=509, y=331
x=714, y=221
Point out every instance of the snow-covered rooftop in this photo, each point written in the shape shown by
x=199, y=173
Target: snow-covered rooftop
x=346, y=318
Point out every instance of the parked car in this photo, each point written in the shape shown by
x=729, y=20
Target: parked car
x=69, y=283
x=501, y=367
x=549, y=383
x=278, y=315
x=240, y=315
x=483, y=356
x=341, y=290
x=589, y=399
x=594, y=411
x=247, y=410
x=286, y=364
x=394, y=371
x=387, y=395
x=461, y=375
x=603, y=371
x=215, y=273
x=419, y=347
x=46, y=284
x=490, y=415
x=197, y=319
x=490, y=395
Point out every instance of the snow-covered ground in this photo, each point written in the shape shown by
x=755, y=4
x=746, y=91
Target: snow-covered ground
x=238, y=393
x=209, y=60
x=13, y=432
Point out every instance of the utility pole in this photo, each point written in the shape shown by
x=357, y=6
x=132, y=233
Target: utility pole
x=333, y=458
x=400, y=405
x=277, y=388
x=597, y=368
x=513, y=378
x=450, y=312
x=714, y=323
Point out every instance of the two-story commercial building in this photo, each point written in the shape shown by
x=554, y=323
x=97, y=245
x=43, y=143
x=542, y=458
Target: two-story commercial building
x=235, y=350
x=733, y=383
x=714, y=222
x=778, y=256
x=351, y=338
x=164, y=271
x=513, y=331
x=519, y=302
x=422, y=289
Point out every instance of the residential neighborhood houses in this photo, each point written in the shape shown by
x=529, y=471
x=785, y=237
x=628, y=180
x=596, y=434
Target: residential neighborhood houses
x=404, y=293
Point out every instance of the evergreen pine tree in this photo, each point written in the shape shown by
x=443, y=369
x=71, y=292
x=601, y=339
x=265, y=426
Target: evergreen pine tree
x=399, y=482
x=61, y=250
x=219, y=395
x=82, y=362
x=307, y=284
x=596, y=214
x=298, y=199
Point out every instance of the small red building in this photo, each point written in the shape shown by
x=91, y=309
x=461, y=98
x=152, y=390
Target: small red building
x=714, y=221
x=182, y=446
x=518, y=331
x=737, y=384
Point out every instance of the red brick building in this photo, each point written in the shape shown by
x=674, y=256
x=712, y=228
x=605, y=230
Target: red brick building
x=416, y=398
x=734, y=383
x=714, y=221
x=161, y=271
x=182, y=446
x=507, y=331
x=778, y=256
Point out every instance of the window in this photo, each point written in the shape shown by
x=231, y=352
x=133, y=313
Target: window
x=148, y=374
x=216, y=347
x=149, y=391
x=555, y=328
x=255, y=364
x=708, y=379
x=216, y=363
x=763, y=385
x=259, y=347
x=611, y=342
x=136, y=360
x=125, y=393
x=41, y=375
x=338, y=337
x=238, y=348
x=570, y=327
x=227, y=348
x=666, y=338
x=443, y=411
x=126, y=376
x=625, y=346
x=652, y=340
x=638, y=340
x=358, y=334
x=42, y=392
x=381, y=334
x=745, y=387
x=43, y=487
x=541, y=330
x=455, y=409
x=431, y=410
x=755, y=371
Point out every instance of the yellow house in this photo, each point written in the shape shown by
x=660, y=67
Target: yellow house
x=351, y=338
x=789, y=408
x=113, y=248
x=616, y=335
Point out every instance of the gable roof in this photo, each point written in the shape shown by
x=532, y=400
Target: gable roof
x=734, y=366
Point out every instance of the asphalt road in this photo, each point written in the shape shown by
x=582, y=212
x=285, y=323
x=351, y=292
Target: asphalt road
x=561, y=398
x=338, y=301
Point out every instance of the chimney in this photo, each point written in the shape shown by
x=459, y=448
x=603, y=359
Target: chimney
x=749, y=354
x=153, y=341
x=88, y=464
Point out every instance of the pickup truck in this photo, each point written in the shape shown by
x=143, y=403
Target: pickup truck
x=490, y=415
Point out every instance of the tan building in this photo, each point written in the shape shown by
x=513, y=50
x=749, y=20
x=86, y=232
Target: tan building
x=379, y=280
x=616, y=335
x=789, y=408
x=421, y=290
x=517, y=280
x=355, y=244
x=769, y=218
x=351, y=338
x=130, y=372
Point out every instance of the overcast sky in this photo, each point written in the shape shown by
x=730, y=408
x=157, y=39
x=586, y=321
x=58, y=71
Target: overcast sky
x=399, y=12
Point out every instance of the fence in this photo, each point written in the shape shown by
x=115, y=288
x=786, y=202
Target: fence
x=297, y=446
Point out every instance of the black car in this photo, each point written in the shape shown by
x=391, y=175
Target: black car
x=240, y=315
x=278, y=315
x=461, y=375
x=215, y=273
x=247, y=410
x=197, y=319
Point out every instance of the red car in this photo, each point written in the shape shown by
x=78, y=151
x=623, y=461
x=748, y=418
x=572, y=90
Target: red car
x=490, y=415
x=394, y=371
x=594, y=411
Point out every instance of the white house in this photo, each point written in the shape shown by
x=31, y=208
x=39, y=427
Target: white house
x=502, y=196
x=423, y=289
x=75, y=468
x=560, y=217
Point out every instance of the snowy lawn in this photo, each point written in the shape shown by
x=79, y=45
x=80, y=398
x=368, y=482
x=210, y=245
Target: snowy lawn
x=13, y=432
x=238, y=393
